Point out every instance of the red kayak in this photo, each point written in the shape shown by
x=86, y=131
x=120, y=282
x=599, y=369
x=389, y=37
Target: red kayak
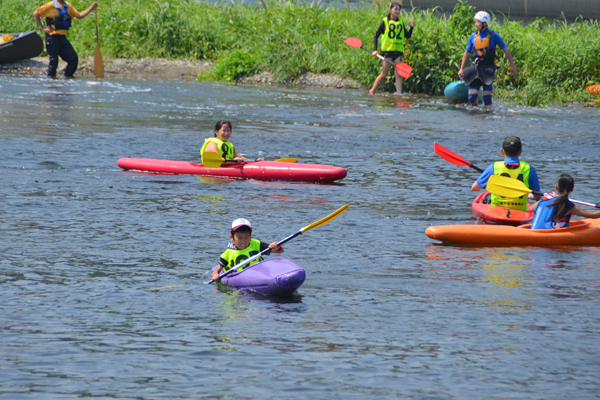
x=259, y=170
x=499, y=215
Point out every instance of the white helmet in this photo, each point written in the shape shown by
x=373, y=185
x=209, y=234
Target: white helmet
x=482, y=16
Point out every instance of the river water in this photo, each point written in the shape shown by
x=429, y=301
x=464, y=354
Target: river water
x=102, y=270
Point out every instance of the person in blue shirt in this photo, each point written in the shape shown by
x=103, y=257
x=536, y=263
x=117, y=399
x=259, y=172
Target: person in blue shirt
x=482, y=51
x=554, y=210
x=511, y=167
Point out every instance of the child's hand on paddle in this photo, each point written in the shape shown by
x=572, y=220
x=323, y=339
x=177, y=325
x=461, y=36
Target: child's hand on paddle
x=275, y=249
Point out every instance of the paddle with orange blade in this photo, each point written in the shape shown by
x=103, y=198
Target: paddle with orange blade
x=403, y=69
x=452, y=157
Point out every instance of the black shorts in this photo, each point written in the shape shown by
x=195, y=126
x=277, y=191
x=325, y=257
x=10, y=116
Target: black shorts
x=394, y=56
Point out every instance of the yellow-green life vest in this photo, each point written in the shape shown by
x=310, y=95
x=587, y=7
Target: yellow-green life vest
x=226, y=149
x=393, y=37
x=233, y=256
x=522, y=174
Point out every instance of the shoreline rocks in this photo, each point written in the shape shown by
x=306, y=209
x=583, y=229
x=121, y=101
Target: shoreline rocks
x=168, y=69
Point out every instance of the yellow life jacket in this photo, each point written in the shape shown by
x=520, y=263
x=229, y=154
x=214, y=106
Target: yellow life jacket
x=393, y=37
x=234, y=256
x=226, y=149
x=521, y=173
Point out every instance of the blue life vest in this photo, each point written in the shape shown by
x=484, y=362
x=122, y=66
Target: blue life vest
x=544, y=214
x=62, y=20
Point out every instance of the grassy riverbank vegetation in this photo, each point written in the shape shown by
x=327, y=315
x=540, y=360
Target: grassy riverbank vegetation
x=556, y=60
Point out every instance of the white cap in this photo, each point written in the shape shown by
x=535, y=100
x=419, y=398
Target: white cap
x=239, y=223
x=482, y=16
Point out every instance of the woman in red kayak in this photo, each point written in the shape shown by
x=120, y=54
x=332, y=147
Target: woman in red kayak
x=220, y=143
x=554, y=210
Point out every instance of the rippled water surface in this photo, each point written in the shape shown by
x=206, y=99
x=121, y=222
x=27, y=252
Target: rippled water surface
x=102, y=270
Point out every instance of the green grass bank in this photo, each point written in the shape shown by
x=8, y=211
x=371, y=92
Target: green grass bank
x=556, y=60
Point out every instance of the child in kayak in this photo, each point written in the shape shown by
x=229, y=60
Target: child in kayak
x=513, y=168
x=482, y=51
x=554, y=210
x=219, y=143
x=392, y=44
x=242, y=247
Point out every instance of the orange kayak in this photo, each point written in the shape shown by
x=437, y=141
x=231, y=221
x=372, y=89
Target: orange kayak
x=499, y=215
x=580, y=233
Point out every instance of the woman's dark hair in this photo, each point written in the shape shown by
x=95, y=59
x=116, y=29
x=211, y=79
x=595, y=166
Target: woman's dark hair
x=389, y=16
x=220, y=124
x=564, y=184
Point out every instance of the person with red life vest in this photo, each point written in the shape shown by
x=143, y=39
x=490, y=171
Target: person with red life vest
x=481, y=49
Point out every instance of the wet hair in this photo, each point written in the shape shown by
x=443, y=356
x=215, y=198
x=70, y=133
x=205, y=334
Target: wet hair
x=241, y=229
x=220, y=124
x=564, y=184
x=394, y=4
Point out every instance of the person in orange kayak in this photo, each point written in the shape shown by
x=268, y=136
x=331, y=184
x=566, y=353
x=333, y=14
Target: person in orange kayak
x=482, y=51
x=59, y=14
x=220, y=143
x=511, y=167
x=242, y=247
x=554, y=210
x=392, y=44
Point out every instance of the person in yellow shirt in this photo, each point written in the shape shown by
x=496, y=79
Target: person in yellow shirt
x=59, y=14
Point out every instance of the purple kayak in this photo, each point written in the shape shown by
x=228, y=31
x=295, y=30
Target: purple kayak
x=275, y=276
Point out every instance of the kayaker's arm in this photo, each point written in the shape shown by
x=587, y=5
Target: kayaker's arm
x=462, y=65
x=380, y=31
x=583, y=213
x=89, y=10
x=275, y=248
x=240, y=158
x=216, y=272
x=475, y=187
x=38, y=21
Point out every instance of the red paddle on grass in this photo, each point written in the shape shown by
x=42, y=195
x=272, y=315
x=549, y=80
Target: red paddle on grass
x=403, y=69
x=452, y=157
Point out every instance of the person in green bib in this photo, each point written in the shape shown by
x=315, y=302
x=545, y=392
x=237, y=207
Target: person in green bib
x=511, y=167
x=242, y=247
x=392, y=32
x=220, y=143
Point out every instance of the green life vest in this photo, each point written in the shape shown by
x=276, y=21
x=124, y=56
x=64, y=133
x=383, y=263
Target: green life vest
x=234, y=256
x=522, y=174
x=393, y=37
x=226, y=149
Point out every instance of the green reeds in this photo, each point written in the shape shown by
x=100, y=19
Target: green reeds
x=556, y=60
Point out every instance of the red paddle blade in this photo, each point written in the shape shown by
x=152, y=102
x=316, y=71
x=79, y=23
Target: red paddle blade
x=354, y=42
x=404, y=70
x=450, y=156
